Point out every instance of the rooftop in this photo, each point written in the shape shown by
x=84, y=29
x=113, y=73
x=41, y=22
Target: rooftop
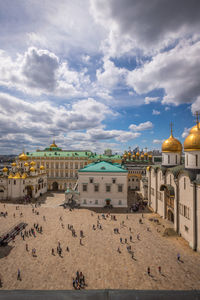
x=103, y=166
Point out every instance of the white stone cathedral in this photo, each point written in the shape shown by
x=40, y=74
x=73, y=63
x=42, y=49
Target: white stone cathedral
x=174, y=187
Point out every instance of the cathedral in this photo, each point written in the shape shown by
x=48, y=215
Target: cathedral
x=24, y=181
x=174, y=186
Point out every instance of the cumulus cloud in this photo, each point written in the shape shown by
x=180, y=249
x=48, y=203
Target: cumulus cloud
x=176, y=71
x=142, y=126
x=153, y=26
x=185, y=132
x=155, y=112
x=148, y=100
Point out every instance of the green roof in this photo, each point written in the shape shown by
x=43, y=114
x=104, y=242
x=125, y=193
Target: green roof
x=59, y=154
x=103, y=166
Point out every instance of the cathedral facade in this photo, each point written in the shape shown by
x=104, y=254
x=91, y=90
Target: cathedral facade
x=25, y=181
x=174, y=186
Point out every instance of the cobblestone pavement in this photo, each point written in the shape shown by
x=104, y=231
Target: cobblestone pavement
x=97, y=258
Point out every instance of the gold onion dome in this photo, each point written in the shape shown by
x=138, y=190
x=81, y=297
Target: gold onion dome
x=13, y=164
x=142, y=156
x=138, y=154
x=26, y=164
x=42, y=168
x=32, y=163
x=129, y=153
x=10, y=176
x=133, y=155
x=145, y=154
x=192, y=141
x=171, y=145
x=32, y=169
x=17, y=176
x=53, y=145
x=150, y=156
x=24, y=176
x=23, y=156
x=5, y=169
x=125, y=156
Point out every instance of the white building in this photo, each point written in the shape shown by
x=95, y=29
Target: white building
x=174, y=188
x=23, y=181
x=103, y=183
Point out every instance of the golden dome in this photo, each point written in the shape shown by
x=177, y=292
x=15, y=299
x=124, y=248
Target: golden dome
x=17, y=176
x=42, y=167
x=195, y=128
x=125, y=156
x=32, y=163
x=145, y=154
x=10, y=176
x=148, y=168
x=129, y=153
x=142, y=156
x=24, y=176
x=192, y=141
x=13, y=164
x=23, y=156
x=171, y=145
x=26, y=164
x=133, y=156
x=5, y=169
x=32, y=169
x=138, y=154
x=53, y=145
x=150, y=156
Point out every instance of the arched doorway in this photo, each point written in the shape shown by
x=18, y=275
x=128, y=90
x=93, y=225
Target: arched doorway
x=29, y=191
x=55, y=186
x=170, y=216
x=108, y=201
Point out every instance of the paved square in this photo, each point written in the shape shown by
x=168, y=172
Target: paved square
x=97, y=258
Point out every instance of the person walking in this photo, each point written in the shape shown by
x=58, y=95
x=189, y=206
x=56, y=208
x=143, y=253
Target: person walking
x=19, y=275
x=120, y=240
x=148, y=271
x=178, y=257
x=159, y=269
x=52, y=251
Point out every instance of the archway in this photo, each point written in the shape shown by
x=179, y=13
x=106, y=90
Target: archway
x=170, y=216
x=108, y=201
x=29, y=191
x=55, y=186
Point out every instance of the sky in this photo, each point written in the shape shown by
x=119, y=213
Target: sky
x=97, y=74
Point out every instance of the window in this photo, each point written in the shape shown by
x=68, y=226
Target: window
x=96, y=201
x=120, y=202
x=57, y=165
x=187, y=159
x=176, y=159
x=196, y=160
x=14, y=181
x=133, y=179
x=66, y=165
x=71, y=165
x=52, y=165
x=47, y=165
x=113, y=180
x=84, y=201
x=108, y=188
x=66, y=174
x=120, y=188
x=168, y=159
x=184, y=183
x=76, y=165
x=96, y=188
x=91, y=180
x=84, y=187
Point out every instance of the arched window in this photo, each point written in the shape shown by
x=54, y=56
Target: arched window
x=196, y=160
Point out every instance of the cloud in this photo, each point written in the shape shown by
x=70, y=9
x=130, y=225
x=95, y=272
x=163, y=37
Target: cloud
x=156, y=141
x=176, y=71
x=167, y=108
x=155, y=112
x=153, y=26
x=37, y=121
x=142, y=126
x=195, y=107
x=185, y=132
x=148, y=100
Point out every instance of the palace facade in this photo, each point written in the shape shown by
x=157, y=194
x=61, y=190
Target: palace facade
x=62, y=165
